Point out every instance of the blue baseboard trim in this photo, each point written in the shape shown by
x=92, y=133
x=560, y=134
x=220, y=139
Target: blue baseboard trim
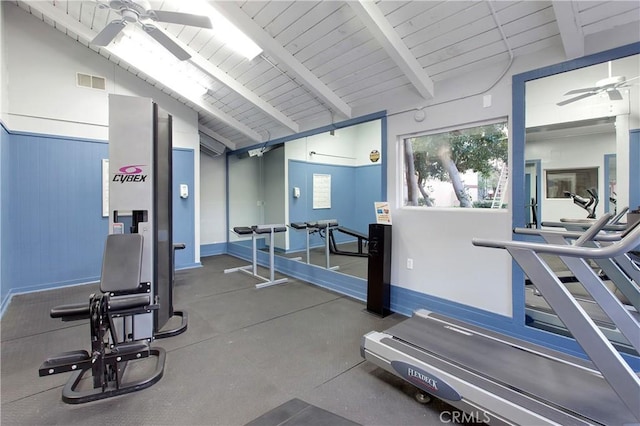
x=42, y=287
x=70, y=283
x=188, y=266
x=406, y=301
x=213, y=249
x=331, y=280
x=5, y=303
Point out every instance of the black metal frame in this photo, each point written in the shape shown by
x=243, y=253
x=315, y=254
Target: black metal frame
x=110, y=352
x=362, y=239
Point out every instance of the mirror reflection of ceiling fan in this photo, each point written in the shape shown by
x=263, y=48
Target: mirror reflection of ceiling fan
x=609, y=85
x=140, y=11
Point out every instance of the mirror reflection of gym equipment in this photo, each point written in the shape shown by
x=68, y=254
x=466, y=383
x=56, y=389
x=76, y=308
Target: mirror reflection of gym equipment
x=275, y=184
x=559, y=134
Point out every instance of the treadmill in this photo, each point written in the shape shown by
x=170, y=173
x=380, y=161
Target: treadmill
x=621, y=275
x=500, y=379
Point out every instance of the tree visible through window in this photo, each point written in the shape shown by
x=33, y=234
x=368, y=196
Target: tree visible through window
x=460, y=168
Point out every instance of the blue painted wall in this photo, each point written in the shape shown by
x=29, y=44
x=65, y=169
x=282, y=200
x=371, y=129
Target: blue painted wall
x=53, y=231
x=183, y=209
x=4, y=178
x=368, y=188
x=353, y=192
x=54, y=226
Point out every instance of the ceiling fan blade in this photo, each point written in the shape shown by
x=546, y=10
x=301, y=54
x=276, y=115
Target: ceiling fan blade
x=165, y=41
x=180, y=18
x=614, y=95
x=577, y=98
x=108, y=33
x=584, y=90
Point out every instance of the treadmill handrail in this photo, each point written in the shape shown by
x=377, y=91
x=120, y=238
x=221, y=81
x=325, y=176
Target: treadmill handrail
x=626, y=243
x=585, y=224
x=593, y=230
x=605, y=237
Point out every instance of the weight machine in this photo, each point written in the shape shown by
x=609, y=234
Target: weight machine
x=135, y=301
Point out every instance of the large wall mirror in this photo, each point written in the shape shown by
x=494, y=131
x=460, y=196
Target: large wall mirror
x=333, y=174
x=574, y=127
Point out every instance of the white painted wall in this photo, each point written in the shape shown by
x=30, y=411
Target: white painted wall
x=245, y=195
x=42, y=97
x=585, y=151
x=213, y=202
x=4, y=81
x=349, y=146
x=541, y=109
x=446, y=264
x=273, y=179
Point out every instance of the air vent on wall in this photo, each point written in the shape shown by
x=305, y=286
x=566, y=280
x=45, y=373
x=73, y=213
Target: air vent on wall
x=210, y=146
x=91, y=81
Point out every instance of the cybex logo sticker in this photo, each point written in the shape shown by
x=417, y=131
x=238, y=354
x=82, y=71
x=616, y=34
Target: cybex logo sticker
x=425, y=381
x=130, y=173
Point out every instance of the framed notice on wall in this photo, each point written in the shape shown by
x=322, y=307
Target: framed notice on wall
x=105, y=188
x=321, y=191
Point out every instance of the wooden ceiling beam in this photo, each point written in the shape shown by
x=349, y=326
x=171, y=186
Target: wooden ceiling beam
x=383, y=31
x=274, y=49
x=570, y=28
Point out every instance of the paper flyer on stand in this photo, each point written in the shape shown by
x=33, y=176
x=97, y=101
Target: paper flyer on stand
x=383, y=213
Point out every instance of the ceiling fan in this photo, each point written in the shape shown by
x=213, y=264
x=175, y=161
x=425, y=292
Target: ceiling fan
x=140, y=11
x=609, y=85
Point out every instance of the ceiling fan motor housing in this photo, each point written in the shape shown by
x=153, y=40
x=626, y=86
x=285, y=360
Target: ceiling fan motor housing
x=131, y=10
x=610, y=82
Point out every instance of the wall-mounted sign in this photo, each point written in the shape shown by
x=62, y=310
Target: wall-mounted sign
x=321, y=191
x=374, y=156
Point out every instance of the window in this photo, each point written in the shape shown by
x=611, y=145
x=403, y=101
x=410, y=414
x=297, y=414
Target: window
x=459, y=168
x=562, y=183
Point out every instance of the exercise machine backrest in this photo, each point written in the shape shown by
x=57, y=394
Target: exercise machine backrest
x=121, y=263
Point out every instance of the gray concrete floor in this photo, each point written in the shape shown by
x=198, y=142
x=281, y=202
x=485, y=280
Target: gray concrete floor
x=246, y=351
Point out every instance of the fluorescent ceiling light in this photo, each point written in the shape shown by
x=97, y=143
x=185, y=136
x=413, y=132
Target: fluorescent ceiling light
x=223, y=29
x=159, y=64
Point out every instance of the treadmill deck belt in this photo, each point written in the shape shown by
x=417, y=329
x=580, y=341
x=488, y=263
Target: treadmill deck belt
x=574, y=389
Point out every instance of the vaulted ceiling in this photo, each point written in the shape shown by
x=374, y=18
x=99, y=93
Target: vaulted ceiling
x=327, y=61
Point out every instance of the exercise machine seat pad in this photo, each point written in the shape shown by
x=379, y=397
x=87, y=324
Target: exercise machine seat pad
x=266, y=229
x=243, y=230
x=322, y=224
x=299, y=225
x=121, y=263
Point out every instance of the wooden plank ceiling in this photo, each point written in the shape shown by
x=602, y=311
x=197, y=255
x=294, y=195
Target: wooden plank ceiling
x=326, y=61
